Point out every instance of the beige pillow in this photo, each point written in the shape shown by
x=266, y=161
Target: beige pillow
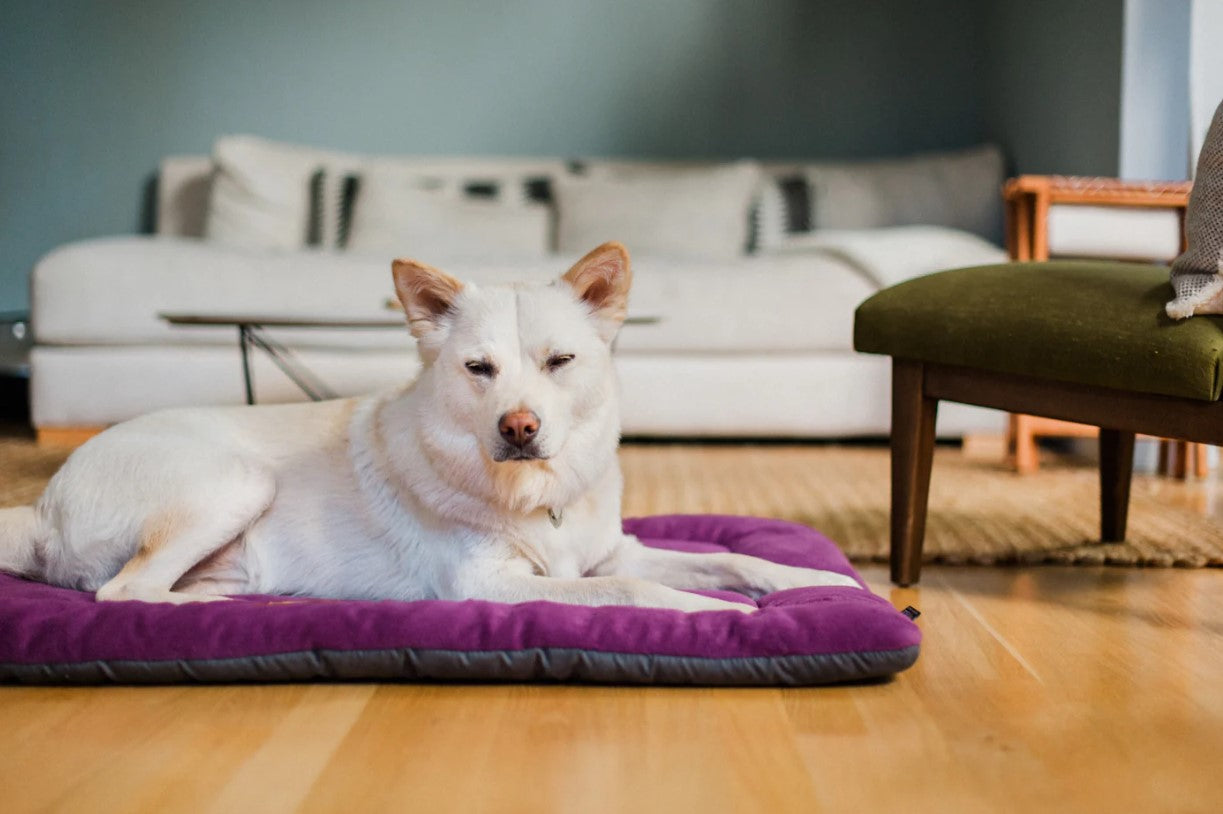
x=960, y=190
x=697, y=213
x=410, y=216
x=260, y=196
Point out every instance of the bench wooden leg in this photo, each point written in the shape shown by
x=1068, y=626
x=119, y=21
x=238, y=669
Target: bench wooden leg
x=1180, y=460
x=913, y=417
x=1116, y=469
x=1201, y=465
x=1027, y=453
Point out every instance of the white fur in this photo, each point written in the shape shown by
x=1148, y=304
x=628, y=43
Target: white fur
x=397, y=495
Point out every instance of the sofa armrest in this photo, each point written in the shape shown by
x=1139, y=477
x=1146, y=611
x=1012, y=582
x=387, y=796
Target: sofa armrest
x=1029, y=199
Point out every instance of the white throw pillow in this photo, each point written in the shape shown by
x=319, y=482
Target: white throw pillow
x=960, y=190
x=697, y=213
x=410, y=216
x=261, y=195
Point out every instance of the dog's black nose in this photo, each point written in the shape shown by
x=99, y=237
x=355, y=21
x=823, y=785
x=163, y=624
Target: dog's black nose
x=518, y=427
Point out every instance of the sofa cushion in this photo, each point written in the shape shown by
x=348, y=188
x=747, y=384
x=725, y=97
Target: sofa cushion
x=261, y=193
x=961, y=190
x=694, y=213
x=1089, y=322
x=108, y=291
x=816, y=394
x=404, y=215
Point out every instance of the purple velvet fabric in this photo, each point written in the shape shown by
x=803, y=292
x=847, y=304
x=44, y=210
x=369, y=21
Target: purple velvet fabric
x=44, y=625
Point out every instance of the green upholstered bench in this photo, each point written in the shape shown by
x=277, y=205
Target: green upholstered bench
x=1084, y=341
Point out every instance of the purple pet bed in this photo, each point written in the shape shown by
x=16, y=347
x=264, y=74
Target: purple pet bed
x=802, y=636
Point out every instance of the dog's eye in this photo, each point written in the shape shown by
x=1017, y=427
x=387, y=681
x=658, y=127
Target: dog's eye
x=479, y=367
x=558, y=360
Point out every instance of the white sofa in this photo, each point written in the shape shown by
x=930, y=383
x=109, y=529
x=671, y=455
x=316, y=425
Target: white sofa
x=751, y=346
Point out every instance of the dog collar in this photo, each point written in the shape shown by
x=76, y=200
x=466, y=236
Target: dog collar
x=556, y=517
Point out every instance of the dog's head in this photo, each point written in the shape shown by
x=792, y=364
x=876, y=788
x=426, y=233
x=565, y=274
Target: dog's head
x=521, y=372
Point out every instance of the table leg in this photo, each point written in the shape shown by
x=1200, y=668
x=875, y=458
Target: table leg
x=314, y=387
x=244, y=341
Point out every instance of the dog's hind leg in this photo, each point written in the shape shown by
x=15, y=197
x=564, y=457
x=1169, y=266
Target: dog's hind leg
x=180, y=534
x=711, y=571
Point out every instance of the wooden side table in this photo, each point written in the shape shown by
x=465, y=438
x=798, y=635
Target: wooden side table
x=1027, y=200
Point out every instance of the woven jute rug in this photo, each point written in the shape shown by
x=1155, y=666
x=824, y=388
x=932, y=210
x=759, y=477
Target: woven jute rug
x=25, y=468
x=979, y=511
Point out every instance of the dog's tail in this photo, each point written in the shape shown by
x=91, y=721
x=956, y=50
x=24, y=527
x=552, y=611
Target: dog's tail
x=20, y=530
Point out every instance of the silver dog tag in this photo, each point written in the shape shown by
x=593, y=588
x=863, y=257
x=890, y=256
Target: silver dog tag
x=555, y=516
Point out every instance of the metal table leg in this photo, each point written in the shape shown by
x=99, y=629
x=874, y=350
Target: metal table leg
x=310, y=384
x=244, y=343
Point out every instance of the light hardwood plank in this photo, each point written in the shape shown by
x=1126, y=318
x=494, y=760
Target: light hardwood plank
x=312, y=730
x=557, y=748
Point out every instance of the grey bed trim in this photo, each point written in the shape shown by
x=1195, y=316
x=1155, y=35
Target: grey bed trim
x=531, y=664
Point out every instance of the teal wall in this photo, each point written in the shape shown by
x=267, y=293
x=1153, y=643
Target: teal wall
x=1052, y=84
x=95, y=92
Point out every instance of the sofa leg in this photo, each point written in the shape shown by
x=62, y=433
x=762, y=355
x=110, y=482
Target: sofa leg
x=913, y=417
x=1116, y=470
x=1180, y=462
x=1165, y=457
x=65, y=436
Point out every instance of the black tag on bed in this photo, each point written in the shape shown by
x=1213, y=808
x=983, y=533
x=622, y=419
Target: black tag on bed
x=911, y=612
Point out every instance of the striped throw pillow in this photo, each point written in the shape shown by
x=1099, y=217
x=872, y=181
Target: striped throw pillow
x=782, y=209
x=333, y=195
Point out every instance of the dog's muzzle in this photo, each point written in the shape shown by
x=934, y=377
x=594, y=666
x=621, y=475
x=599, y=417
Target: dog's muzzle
x=508, y=452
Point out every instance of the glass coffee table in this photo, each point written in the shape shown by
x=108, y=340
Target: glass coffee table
x=252, y=333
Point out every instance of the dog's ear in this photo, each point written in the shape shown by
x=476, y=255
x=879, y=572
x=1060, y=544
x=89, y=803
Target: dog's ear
x=427, y=295
x=601, y=281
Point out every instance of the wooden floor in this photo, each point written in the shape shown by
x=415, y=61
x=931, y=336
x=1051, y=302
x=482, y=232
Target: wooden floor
x=1039, y=689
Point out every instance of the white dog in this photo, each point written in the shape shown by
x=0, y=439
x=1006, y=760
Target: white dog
x=493, y=476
